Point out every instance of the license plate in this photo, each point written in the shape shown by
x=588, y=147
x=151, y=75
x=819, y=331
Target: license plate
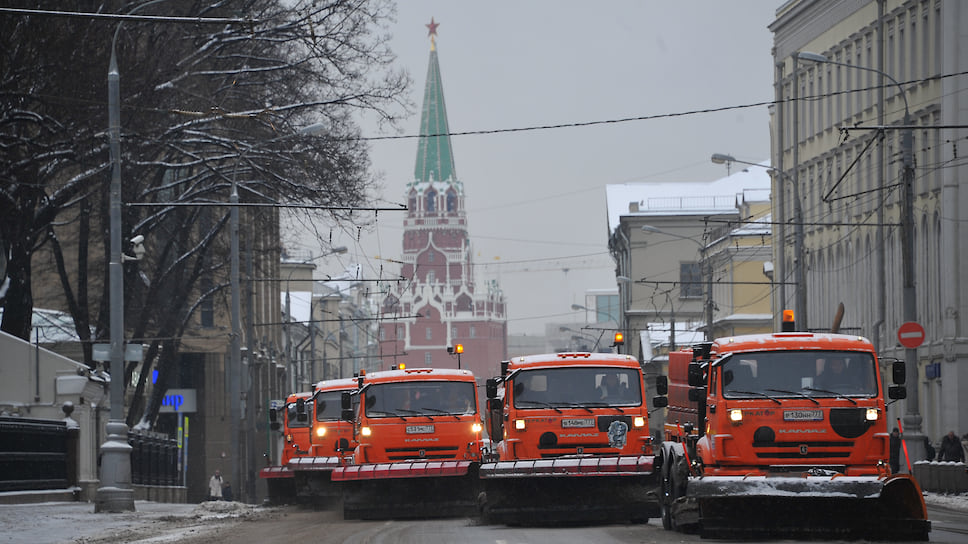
x=803, y=415
x=420, y=429
x=578, y=422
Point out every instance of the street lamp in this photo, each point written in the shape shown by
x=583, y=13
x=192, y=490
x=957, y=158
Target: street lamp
x=705, y=269
x=912, y=418
x=115, y=493
x=800, y=298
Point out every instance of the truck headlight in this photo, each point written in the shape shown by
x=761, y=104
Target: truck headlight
x=365, y=431
x=872, y=414
x=320, y=431
x=639, y=421
x=476, y=427
x=519, y=424
x=736, y=415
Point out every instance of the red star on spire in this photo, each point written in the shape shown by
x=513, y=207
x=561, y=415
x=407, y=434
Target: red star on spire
x=433, y=28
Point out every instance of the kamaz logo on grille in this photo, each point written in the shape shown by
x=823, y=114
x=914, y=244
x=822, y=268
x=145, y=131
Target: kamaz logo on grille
x=804, y=449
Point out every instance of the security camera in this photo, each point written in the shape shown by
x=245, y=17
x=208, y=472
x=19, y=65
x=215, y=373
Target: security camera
x=137, y=246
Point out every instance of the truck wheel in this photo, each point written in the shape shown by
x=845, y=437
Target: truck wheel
x=667, y=489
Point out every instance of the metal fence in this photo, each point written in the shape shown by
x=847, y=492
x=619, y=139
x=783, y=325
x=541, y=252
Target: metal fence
x=154, y=459
x=37, y=454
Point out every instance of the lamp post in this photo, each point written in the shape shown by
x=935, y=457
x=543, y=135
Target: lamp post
x=912, y=418
x=115, y=493
x=705, y=270
x=800, y=297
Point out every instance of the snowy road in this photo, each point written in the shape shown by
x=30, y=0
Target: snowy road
x=218, y=523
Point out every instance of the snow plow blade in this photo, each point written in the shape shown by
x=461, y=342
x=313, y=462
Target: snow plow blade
x=887, y=508
x=569, y=490
x=312, y=482
x=409, y=490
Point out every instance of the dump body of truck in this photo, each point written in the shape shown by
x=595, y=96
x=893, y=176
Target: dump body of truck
x=783, y=434
x=571, y=442
x=418, y=434
x=295, y=426
x=330, y=442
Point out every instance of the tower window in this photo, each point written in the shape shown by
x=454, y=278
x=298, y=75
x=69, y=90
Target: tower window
x=451, y=201
x=430, y=204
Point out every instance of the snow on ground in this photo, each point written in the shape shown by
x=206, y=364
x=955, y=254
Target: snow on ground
x=161, y=523
x=151, y=522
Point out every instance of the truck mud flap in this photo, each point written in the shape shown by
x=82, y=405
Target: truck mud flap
x=873, y=508
x=409, y=490
x=569, y=491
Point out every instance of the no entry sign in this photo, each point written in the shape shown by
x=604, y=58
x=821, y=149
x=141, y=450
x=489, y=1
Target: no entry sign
x=910, y=334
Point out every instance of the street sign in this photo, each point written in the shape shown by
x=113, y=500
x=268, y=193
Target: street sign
x=910, y=334
x=132, y=352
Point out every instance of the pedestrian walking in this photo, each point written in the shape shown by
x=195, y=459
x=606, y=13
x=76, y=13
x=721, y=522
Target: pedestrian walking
x=215, y=486
x=895, y=451
x=951, y=448
x=928, y=449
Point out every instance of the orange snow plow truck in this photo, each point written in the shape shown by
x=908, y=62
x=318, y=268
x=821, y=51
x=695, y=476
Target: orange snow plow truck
x=571, y=442
x=330, y=441
x=784, y=434
x=296, y=415
x=418, y=434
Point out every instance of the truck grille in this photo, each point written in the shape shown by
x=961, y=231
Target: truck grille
x=429, y=452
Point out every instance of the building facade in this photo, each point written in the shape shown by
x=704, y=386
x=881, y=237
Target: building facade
x=440, y=304
x=853, y=80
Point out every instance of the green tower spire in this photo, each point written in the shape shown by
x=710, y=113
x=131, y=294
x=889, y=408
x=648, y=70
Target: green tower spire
x=435, y=158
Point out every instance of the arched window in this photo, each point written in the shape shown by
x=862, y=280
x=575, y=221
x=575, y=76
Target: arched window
x=412, y=203
x=430, y=201
x=451, y=201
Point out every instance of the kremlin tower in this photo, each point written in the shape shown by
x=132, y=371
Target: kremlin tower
x=441, y=305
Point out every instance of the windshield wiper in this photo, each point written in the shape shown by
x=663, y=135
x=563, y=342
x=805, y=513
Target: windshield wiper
x=603, y=405
x=439, y=411
x=797, y=393
x=755, y=393
x=545, y=404
x=838, y=395
x=578, y=405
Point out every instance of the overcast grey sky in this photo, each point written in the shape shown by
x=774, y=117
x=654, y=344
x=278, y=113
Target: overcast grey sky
x=535, y=200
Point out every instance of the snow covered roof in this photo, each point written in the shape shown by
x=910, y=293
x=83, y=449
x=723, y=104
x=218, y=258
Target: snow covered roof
x=687, y=198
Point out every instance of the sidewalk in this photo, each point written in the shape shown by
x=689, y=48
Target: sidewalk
x=75, y=522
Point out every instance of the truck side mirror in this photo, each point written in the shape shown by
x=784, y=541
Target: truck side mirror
x=273, y=419
x=494, y=405
x=660, y=402
x=346, y=405
x=697, y=394
x=696, y=377
x=661, y=385
x=899, y=373
x=897, y=392
x=301, y=410
x=490, y=388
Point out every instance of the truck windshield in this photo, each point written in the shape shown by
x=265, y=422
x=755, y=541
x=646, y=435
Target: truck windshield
x=799, y=373
x=420, y=398
x=294, y=419
x=328, y=405
x=577, y=386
